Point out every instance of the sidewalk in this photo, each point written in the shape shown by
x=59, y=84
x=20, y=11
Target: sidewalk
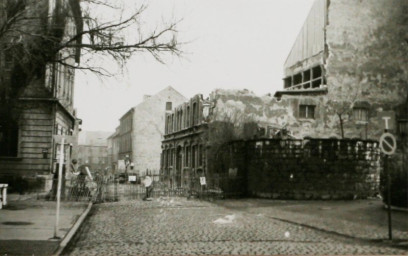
x=27, y=224
x=361, y=219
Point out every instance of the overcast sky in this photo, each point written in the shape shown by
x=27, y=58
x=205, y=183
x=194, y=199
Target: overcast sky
x=232, y=44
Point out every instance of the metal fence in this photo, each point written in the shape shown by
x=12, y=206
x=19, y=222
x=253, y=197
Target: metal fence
x=105, y=188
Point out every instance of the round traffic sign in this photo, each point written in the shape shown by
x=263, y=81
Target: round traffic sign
x=388, y=144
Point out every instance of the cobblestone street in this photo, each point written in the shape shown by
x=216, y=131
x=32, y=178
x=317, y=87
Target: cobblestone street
x=181, y=227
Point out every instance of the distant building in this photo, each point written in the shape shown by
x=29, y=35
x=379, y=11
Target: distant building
x=113, y=151
x=141, y=130
x=93, y=150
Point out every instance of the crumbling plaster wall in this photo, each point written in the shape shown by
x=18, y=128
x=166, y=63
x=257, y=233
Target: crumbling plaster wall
x=241, y=106
x=367, y=58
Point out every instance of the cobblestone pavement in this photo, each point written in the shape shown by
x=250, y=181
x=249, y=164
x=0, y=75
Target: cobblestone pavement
x=181, y=227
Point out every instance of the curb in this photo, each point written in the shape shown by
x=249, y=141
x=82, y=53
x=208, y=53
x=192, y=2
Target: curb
x=381, y=242
x=73, y=230
x=395, y=208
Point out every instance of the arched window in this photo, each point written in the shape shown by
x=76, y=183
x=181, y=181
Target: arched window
x=188, y=116
x=181, y=120
x=194, y=113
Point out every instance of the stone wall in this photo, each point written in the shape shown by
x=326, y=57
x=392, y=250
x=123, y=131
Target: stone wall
x=304, y=169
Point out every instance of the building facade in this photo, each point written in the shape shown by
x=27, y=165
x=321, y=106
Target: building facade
x=113, y=151
x=185, y=139
x=347, y=69
x=93, y=150
x=40, y=110
x=142, y=128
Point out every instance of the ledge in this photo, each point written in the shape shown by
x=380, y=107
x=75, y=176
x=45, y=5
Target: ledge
x=317, y=91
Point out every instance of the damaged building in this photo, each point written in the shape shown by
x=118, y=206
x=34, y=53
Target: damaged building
x=316, y=138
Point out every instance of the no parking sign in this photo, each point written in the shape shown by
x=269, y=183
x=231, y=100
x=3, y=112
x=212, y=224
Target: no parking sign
x=388, y=144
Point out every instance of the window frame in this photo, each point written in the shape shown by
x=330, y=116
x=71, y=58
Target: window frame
x=307, y=111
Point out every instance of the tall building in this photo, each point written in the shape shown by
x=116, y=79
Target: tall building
x=44, y=107
x=141, y=130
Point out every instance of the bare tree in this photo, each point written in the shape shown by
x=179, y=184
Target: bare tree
x=35, y=35
x=348, y=92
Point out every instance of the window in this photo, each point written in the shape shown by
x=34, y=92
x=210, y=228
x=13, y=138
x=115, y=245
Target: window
x=403, y=127
x=8, y=139
x=188, y=116
x=200, y=155
x=306, y=79
x=195, y=113
x=187, y=157
x=307, y=111
x=193, y=156
x=360, y=114
x=168, y=105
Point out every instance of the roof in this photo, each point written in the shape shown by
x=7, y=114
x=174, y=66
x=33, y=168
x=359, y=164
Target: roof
x=310, y=40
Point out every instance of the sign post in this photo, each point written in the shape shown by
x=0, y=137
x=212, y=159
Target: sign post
x=61, y=162
x=388, y=145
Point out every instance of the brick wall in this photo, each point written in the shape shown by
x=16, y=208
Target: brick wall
x=304, y=169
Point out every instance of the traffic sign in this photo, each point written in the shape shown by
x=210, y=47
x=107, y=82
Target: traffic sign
x=388, y=144
x=387, y=119
x=202, y=181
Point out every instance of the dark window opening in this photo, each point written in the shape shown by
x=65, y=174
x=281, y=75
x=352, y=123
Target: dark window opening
x=188, y=117
x=317, y=72
x=187, y=157
x=316, y=83
x=307, y=111
x=287, y=82
x=297, y=79
x=193, y=156
x=200, y=155
x=306, y=76
x=194, y=113
x=8, y=139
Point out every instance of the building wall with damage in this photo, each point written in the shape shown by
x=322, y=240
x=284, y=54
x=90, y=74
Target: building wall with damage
x=367, y=58
x=364, y=67
x=243, y=106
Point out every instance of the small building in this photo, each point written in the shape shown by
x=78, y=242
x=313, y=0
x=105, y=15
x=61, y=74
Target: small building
x=142, y=128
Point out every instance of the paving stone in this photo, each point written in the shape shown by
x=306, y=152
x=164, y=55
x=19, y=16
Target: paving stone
x=181, y=227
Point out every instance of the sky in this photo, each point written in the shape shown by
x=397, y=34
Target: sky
x=229, y=44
